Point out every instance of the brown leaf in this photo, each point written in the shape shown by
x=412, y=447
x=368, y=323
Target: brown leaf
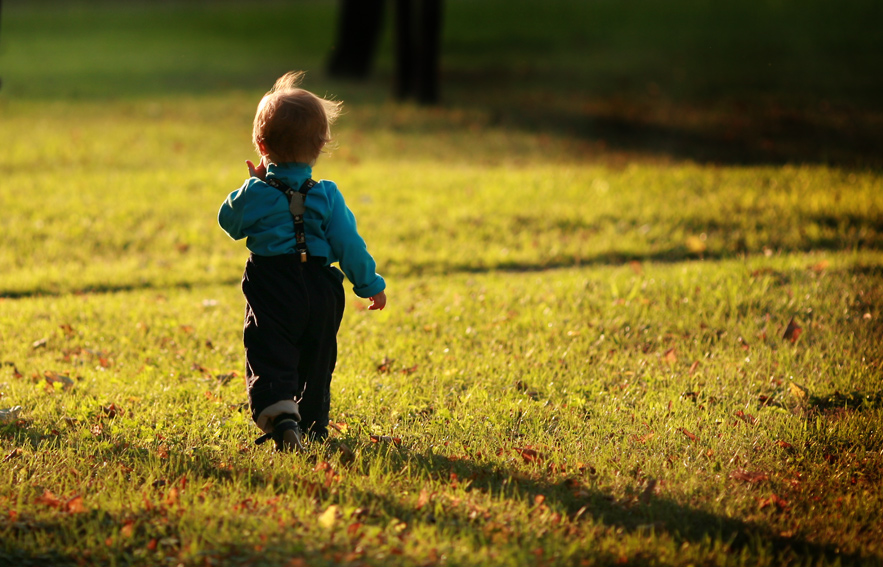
x=792, y=332
x=424, y=499
x=819, y=267
x=386, y=365
x=128, y=529
x=529, y=455
x=48, y=499
x=53, y=378
x=749, y=476
x=171, y=497
x=746, y=417
x=75, y=505
x=670, y=356
x=688, y=434
x=693, y=367
x=773, y=500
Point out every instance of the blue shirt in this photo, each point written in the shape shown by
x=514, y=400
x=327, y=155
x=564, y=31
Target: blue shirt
x=259, y=213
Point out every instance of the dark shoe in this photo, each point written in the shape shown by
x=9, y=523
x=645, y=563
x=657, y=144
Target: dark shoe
x=286, y=434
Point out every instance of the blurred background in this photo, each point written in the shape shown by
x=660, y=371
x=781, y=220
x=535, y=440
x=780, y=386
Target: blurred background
x=747, y=82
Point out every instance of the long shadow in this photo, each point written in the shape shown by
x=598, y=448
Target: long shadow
x=111, y=288
x=573, y=498
x=654, y=514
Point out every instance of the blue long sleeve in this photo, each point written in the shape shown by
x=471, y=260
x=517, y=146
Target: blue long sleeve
x=259, y=213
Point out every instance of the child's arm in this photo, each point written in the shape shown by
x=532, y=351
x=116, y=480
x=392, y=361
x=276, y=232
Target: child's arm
x=352, y=254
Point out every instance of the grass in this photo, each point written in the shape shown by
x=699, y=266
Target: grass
x=634, y=292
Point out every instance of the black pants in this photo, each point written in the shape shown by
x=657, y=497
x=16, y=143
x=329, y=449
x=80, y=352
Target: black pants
x=292, y=315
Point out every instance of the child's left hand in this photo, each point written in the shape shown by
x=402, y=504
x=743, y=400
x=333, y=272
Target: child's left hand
x=378, y=302
x=260, y=171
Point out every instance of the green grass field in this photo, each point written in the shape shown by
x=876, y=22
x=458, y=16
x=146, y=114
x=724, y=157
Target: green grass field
x=635, y=268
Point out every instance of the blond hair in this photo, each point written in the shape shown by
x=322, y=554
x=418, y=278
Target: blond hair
x=293, y=124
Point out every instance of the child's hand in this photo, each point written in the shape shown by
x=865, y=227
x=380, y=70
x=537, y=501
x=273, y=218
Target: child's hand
x=378, y=302
x=260, y=171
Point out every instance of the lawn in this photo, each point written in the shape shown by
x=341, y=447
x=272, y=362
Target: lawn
x=635, y=280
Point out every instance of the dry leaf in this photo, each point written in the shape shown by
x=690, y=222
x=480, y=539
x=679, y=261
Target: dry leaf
x=798, y=391
x=529, y=455
x=670, y=356
x=792, y=332
x=688, y=434
x=746, y=417
x=328, y=517
x=773, y=500
x=424, y=499
x=48, y=499
x=749, y=476
x=75, y=505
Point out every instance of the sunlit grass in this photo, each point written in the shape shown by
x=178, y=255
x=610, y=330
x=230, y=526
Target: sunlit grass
x=595, y=352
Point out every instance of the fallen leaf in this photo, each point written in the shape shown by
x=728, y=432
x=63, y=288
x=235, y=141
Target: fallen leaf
x=53, y=378
x=819, y=267
x=386, y=365
x=340, y=426
x=773, y=500
x=693, y=367
x=688, y=434
x=328, y=517
x=798, y=391
x=749, y=476
x=529, y=455
x=424, y=499
x=75, y=505
x=48, y=499
x=792, y=331
x=746, y=417
x=670, y=356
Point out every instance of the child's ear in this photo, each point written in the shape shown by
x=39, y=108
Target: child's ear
x=263, y=148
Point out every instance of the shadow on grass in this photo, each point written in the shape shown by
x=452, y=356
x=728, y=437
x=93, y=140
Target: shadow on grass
x=581, y=504
x=579, y=509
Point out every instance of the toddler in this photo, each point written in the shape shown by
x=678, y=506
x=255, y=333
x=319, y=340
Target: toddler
x=295, y=228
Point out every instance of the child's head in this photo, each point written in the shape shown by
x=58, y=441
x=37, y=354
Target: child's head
x=291, y=124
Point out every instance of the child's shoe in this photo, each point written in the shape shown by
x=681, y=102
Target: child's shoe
x=286, y=434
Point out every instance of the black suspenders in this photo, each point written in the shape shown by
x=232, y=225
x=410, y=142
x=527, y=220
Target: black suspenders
x=296, y=206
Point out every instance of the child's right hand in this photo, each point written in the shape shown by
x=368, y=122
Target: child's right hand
x=378, y=302
x=260, y=171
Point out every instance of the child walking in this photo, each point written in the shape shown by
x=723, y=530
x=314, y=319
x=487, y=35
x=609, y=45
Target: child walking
x=295, y=228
